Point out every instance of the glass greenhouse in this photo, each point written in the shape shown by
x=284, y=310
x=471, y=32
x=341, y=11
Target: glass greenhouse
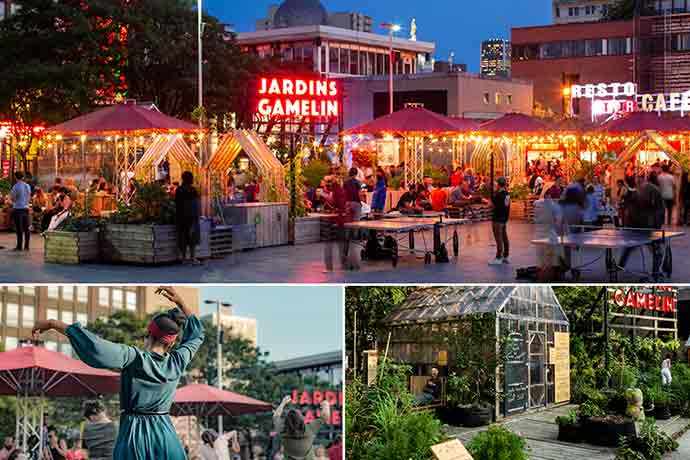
x=522, y=330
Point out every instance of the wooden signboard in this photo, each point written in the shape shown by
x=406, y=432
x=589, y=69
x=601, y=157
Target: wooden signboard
x=560, y=358
x=372, y=366
x=451, y=450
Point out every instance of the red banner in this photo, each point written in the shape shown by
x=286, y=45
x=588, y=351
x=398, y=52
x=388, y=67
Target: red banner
x=666, y=301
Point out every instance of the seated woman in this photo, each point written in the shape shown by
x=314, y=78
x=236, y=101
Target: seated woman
x=149, y=376
x=432, y=390
x=297, y=437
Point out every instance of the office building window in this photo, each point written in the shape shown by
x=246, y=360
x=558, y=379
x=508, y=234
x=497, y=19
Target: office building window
x=29, y=290
x=14, y=289
x=82, y=294
x=53, y=292
x=52, y=313
x=82, y=318
x=487, y=98
x=11, y=343
x=498, y=98
x=52, y=346
x=118, y=301
x=28, y=316
x=131, y=300
x=67, y=316
x=104, y=297
x=558, y=12
x=509, y=99
x=12, y=315
x=68, y=293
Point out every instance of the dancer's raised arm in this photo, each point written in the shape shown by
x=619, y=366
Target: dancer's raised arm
x=93, y=350
x=169, y=293
x=277, y=414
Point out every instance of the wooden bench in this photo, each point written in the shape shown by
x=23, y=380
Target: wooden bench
x=417, y=384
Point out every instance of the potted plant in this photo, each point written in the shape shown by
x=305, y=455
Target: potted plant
x=75, y=240
x=497, y=442
x=662, y=404
x=142, y=232
x=458, y=389
x=569, y=427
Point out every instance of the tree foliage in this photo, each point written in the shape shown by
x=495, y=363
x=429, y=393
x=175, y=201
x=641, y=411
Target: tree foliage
x=624, y=10
x=371, y=305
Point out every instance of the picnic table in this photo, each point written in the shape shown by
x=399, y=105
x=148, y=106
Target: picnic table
x=609, y=240
x=385, y=237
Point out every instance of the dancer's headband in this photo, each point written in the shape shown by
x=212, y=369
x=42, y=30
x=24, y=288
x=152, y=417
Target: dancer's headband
x=159, y=335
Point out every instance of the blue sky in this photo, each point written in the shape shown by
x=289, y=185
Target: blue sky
x=293, y=321
x=455, y=25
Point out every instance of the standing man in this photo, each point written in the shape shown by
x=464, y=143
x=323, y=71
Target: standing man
x=353, y=199
x=100, y=433
x=667, y=184
x=21, y=199
x=501, y=212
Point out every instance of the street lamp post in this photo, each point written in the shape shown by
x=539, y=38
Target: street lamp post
x=219, y=354
x=392, y=28
x=200, y=32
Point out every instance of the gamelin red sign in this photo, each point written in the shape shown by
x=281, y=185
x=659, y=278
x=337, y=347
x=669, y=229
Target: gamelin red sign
x=298, y=98
x=647, y=301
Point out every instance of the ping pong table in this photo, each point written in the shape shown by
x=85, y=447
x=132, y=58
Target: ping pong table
x=611, y=239
x=399, y=233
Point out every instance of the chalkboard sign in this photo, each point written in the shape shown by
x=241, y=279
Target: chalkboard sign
x=451, y=450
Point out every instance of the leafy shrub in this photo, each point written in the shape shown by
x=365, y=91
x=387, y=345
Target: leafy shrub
x=458, y=389
x=314, y=172
x=568, y=420
x=151, y=204
x=5, y=186
x=590, y=409
x=497, y=443
x=680, y=388
x=381, y=421
x=651, y=444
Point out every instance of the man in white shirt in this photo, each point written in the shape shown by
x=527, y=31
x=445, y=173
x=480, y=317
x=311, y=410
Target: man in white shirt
x=21, y=200
x=667, y=185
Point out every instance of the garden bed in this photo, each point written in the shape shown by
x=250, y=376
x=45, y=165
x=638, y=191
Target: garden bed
x=145, y=244
x=607, y=431
x=71, y=247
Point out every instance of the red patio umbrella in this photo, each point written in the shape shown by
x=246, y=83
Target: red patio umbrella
x=122, y=119
x=204, y=400
x=636, y=122
x=410, y=121
x=514, y=123
x=37, y=371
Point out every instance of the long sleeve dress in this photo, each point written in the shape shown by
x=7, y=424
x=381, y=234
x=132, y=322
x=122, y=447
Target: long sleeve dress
x=147, y=389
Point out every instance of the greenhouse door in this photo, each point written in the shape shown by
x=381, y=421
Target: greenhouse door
x=537, y=369
x=516, y=375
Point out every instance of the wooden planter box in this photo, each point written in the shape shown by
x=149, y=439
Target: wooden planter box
x=307, y=230
x=602, y=431
x=244, y=237
x=5, y=219
x=270, y=220
x=523, y=210
x=71, y=247
x=140, y=244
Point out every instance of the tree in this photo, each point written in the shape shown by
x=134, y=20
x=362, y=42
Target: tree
x=371, y=304
x=624, y=10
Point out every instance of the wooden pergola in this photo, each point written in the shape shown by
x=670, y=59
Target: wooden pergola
x=173, y=148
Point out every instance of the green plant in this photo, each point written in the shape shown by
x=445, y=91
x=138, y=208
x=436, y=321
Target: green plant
x=590, y=409
x=151, y=204
x=5, y=186
x=381, y=421
x=458, y=389
x=497, y=443
x=651, y=444
x=314, y=172
x=395, y=182
x=568, y=420
x=520, y=192
x=438, y=175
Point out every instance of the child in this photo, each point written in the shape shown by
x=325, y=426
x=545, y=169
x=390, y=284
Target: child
x=501, y=212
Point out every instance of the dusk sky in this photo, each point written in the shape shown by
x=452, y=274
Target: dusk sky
x=293, y=321
x=458, y=26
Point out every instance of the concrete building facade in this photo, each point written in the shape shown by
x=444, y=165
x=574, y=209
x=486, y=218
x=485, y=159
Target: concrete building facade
x=235, y=325
x=21, y=306
x=569, y=11
x=454, y=94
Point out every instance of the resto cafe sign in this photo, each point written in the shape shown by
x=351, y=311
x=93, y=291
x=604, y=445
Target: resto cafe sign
x=310, y=402
x=610, y=98
x=280, y=97
x=662, y=299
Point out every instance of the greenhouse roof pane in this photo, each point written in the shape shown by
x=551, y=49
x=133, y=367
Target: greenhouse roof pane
x=436, y=304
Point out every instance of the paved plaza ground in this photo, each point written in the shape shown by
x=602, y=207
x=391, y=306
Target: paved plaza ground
x=541, y=433
x=305, y=264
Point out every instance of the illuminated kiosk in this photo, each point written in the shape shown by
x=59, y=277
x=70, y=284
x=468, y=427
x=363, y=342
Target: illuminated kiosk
x=115, y=136
x=173, y=149
x=505, y=145
x=461, y=329
x=418, y=129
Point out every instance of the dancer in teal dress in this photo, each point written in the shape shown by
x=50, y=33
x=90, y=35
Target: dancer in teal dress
x=149, y=377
